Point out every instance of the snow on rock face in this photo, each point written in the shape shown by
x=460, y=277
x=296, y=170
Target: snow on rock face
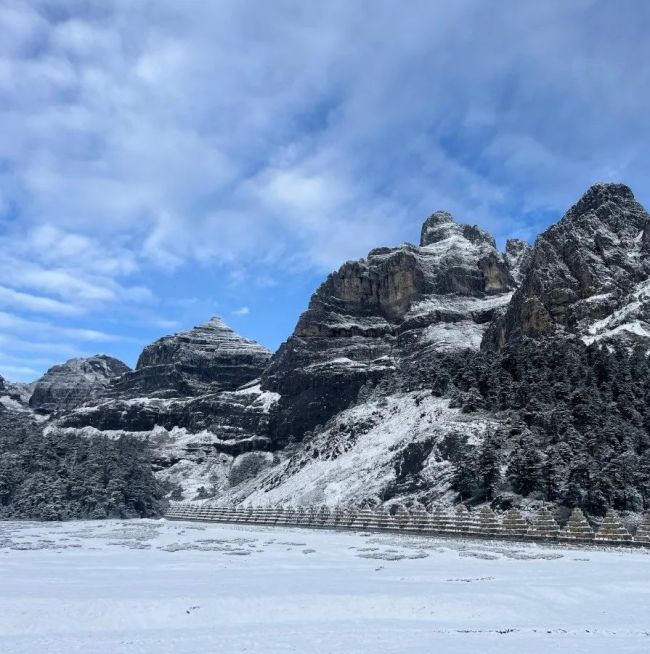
x=69, y=385
x=585, y=274
x=372, y=315
x=194, y=395
x=517, y=256
x=376, y=450
x=195, y=440
x=208, y=358
x=234, y=419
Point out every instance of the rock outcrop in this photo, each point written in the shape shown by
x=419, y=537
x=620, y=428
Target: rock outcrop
x=517, y=255
x=77, y=381
x=194, y=395
x=588, y=275
x=373, y=316
x=208, y=358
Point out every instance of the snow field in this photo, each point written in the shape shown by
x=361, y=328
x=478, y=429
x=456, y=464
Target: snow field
x=155, y=586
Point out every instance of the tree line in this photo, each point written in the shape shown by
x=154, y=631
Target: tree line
x=59, y=477
x=575, y=423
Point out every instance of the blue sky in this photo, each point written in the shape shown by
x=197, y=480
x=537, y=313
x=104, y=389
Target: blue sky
x=163, y=161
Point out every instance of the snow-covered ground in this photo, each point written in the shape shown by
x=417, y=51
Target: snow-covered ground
x=190, y=588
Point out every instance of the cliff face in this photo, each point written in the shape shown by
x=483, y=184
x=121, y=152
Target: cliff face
x=200, y=381
x=372, y=316
x=587, y=275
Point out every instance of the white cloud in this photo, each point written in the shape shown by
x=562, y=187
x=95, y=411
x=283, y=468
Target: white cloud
x=13, y=298
x=40, y=329
x=139, y=139
x=216, y=134
x=242, y=311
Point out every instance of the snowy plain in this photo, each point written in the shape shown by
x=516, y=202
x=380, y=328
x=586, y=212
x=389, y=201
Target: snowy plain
x=146, y=586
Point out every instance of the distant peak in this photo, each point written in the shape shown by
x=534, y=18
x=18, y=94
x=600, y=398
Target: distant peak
x=608, y=189
x=441, y=225
x=602, y=193
x=433, y=229
x=216, y=322
x=439, y=217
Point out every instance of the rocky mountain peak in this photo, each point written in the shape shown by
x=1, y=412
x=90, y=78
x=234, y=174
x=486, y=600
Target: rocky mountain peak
x=371, y=316
x=587, y=275
x=436, y=227
x=441, y=226
x=207, y=358
x=600, y=198
x=69, y=385
x=216, y=322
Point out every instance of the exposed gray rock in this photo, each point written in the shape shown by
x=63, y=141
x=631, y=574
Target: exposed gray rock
x=344, y=410
x=206, y=359
x=236, y=420
x=517, y=255
x=20, y=391
x=587, y=275
x=75, y=382
x=194, y=395
x=375, y=315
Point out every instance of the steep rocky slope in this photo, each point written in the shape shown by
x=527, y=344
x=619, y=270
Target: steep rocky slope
x=375, y=316
x=385, y=340
x=69, y=385
x=587, y=274
x=194, y=394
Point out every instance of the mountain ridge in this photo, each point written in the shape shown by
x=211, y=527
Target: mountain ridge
x=410, y=377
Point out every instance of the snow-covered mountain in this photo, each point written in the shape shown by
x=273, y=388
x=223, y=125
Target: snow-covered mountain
x=406, y=371
x=588, y=274
x=373, y=317
x=73, y=383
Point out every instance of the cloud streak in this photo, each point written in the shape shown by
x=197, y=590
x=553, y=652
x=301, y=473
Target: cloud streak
x=140, y=140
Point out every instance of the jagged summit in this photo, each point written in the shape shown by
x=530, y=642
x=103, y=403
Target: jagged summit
x=600, y=195
x=435, y=227
x=208, y=357
x=216, y=322
x=588, y=275
x=441, y=226
x=381, y=393
x=373, y=315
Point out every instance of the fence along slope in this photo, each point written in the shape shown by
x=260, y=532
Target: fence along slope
x=481, y=523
